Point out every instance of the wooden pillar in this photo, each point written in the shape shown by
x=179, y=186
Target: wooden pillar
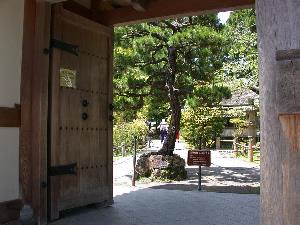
x=278, y=25
x=250, y=150
x=235, y=147
x=218, y=143
x=34, y=107
x=252, y=129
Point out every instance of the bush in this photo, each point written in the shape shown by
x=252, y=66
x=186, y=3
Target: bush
x=124, y=133
x=201, y=126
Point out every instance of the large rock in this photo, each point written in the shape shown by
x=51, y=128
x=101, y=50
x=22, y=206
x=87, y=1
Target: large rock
x=171, y=167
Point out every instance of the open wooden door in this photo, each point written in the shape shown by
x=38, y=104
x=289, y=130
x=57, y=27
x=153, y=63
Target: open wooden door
x=80, y=142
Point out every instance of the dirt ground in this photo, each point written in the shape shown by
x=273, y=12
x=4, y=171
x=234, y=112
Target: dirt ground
x=215, y=179
x=226, y=175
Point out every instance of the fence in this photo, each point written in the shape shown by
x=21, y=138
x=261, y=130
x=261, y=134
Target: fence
x=244, y=148
x=125, y=149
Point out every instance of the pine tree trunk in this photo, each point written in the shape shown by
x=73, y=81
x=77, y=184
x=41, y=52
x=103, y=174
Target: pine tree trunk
x=169, y=144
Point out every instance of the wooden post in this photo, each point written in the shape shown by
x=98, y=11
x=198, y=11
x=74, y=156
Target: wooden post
x=218, y=143
x=134, y=161
x=235, y=148
x=34, y=104
x=123, y=149
x=278, y=29
x=250, y=150
x=149, y=141
x=252, y=129
x=199, y=179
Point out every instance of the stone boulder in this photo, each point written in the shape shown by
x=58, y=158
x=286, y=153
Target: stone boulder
x=171, y=167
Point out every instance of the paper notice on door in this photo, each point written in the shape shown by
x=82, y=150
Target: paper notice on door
x=67, y=78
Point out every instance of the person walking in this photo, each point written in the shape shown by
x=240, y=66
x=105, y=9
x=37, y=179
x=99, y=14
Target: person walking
x=163, y=127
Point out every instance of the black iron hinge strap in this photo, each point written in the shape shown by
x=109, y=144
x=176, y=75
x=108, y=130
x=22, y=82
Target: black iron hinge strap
x=73, y=49
x=63, y=170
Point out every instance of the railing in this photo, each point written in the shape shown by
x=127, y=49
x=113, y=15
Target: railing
x=244, y=148
x=129, y=148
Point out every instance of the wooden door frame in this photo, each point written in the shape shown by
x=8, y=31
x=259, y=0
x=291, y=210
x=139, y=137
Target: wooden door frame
x=34, y=106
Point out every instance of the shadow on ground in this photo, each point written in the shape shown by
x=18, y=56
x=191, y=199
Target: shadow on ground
x=219, y=179
x=218, y=189
x=163, y=207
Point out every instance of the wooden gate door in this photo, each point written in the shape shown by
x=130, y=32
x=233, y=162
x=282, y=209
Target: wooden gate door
x=80, y=146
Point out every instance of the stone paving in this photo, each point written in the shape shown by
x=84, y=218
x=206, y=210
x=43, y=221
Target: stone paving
x=226, y=174
x=146, y=206
x=180, y=203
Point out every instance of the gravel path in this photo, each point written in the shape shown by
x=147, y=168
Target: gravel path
x=146, y=206
x=156, y=204
x=226, y=174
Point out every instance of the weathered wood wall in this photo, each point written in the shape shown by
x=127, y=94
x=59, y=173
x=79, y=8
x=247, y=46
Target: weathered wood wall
x=278, y=25
x=10, y=210
x=34, y=104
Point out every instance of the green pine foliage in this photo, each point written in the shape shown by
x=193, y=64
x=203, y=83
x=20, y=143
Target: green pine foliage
x=211, y=61
x=241, y=65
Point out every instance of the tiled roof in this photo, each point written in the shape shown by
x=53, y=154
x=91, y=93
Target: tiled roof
x=241, y=98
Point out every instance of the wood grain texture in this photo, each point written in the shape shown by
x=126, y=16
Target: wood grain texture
x=162, y=9
x=291, y=127
x=73, y=139
x=54, y=182
x=26, y=100
x=277, y=23
x=110, y=122
x=158, y=9
x=290, y=54
x=10, y=210
x=34, y=102
x=10, y=117
x=39, y=111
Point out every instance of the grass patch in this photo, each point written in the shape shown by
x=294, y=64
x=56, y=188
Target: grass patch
x=256, y=156
x=115, y=158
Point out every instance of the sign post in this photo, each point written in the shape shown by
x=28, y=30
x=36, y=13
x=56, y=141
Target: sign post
x=134, y=160
x=199, y=179
x=199, y=158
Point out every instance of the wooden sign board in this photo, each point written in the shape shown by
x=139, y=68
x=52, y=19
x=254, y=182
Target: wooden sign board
x=199, y=158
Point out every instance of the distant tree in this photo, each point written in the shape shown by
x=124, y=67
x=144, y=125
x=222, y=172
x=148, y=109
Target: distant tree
x=241, y=66
x=200, y=126
x=203, y=120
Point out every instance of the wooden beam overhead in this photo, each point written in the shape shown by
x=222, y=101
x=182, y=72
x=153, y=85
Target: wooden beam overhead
x=162, y=9
x=106, y=5
x=139, y=5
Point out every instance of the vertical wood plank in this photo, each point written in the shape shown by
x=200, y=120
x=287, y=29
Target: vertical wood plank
x=55, y=132
x=278, y=28
x=86, y=146
x=110, y=114
x=26, y=99
x=40, y=110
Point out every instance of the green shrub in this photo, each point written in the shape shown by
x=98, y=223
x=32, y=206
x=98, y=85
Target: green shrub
x=124, y=133
x=201, y=126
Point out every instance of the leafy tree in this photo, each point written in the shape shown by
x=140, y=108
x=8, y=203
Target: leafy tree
x=203, y=120
x=241, y=67
x=165, y=61
x=200, y=126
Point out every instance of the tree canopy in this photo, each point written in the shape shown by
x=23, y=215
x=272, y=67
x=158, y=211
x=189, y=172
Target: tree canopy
x=164, y=63
x=240, y=68
x=188, y=65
